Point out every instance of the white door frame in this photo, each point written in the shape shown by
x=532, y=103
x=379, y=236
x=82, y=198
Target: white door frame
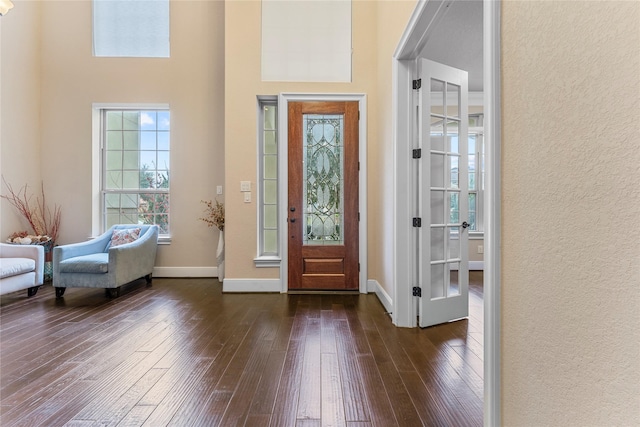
x=421, y=24
x=283, y=178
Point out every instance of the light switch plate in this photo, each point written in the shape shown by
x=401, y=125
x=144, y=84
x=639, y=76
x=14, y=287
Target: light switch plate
x=219, y=190
x=245, y=185
x=247, y=196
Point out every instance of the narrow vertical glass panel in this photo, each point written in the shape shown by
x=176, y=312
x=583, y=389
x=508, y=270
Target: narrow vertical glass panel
x=270, y=117
x=113, y=180
x=164, y=120
x=131, y=140
x=130, y=180
x=148, y=160
x=437, y=243
x=437, y=170
x=114, y=140
x=164, y=160
x=163, y=140
x=437, y=134
x=453, y=289
x=454, y=171
x=453, y=234
x=453, y=100
x=148, y=140
x=270, y=241
x=114, y=160
x=270, y=167
x=148, y=120
x=453, y=129
x=130, y=120
x=437, y=96
x=114, y=120
x=130, y=160
x=123, y=28
x=270, y=146
x=471, y=147
x=454, y=207
x=437, y=207
x=437, y=281
x=112, y=201
x=270, y=216
x=323, y=179
x=129, y=201
x=270, y=192
x=472, y=211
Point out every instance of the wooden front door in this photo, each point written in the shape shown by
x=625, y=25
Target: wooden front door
x=323, y=195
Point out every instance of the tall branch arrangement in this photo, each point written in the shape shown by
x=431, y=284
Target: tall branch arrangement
x=42, y=220
x=213, y=214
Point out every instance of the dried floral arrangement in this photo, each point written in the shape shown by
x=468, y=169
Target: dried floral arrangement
x=44, y=222
x=213, y=214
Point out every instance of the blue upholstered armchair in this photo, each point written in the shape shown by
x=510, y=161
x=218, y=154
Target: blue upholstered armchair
x=109, y=261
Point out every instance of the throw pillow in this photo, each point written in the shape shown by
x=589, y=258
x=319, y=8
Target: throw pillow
x=124, y=235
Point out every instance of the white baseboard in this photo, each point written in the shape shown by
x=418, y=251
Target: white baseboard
x=383, y=296
x=185, y=272
x=476, y=265
x=251, y=285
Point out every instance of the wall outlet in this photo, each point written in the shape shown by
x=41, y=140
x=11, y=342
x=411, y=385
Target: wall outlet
x=247, y=196
x=480, y=249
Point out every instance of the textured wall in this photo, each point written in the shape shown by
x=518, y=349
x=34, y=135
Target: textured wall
x=571, y=203
x=20, y=119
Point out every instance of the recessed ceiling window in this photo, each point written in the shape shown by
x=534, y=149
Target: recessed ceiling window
x=131, y=28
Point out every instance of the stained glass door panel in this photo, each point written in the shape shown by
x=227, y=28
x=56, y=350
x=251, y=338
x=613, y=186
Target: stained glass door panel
x=323, y=195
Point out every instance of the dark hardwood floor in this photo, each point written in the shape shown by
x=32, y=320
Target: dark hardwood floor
x=181, y=353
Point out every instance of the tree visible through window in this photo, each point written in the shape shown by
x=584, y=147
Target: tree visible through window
x=135, y=167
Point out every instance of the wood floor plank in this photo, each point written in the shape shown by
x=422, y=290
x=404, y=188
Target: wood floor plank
x=182, y=353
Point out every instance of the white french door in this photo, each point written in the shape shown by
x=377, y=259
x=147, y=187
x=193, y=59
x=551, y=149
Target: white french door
x=442, y=196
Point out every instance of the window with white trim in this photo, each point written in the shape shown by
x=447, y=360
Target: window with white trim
x=125, y=28
x=268, y=244
x=476, y=173
x=135, y=167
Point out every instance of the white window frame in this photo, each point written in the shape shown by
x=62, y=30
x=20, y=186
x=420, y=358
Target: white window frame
x=98, y=223
x=265, y=259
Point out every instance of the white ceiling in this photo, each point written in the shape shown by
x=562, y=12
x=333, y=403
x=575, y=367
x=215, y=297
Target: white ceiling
x=457, y=40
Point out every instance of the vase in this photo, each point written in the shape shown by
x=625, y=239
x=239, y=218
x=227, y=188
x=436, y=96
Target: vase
x=220, y=256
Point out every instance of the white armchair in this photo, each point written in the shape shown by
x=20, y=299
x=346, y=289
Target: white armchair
x=21, y=267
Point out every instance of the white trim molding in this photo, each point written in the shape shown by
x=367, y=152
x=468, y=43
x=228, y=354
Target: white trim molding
x=185, y=272
x=251, y=285
x=381, y=293
x=492, y=219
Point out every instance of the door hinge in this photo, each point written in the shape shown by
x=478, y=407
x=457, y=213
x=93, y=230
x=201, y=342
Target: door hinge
x=358, y=216
x=358, y=166
x=358, y=114
x=358, y=267
x=417, y=222
x=417, y=291
x=417, y=84
x=417, y=153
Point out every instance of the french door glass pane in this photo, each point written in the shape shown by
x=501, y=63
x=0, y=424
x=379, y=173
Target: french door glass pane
x=437, y=281
x=437, y=247
x=453, y=100
x=437, y=96
x=437, y=207
x=323, y=179
x=453, y=289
